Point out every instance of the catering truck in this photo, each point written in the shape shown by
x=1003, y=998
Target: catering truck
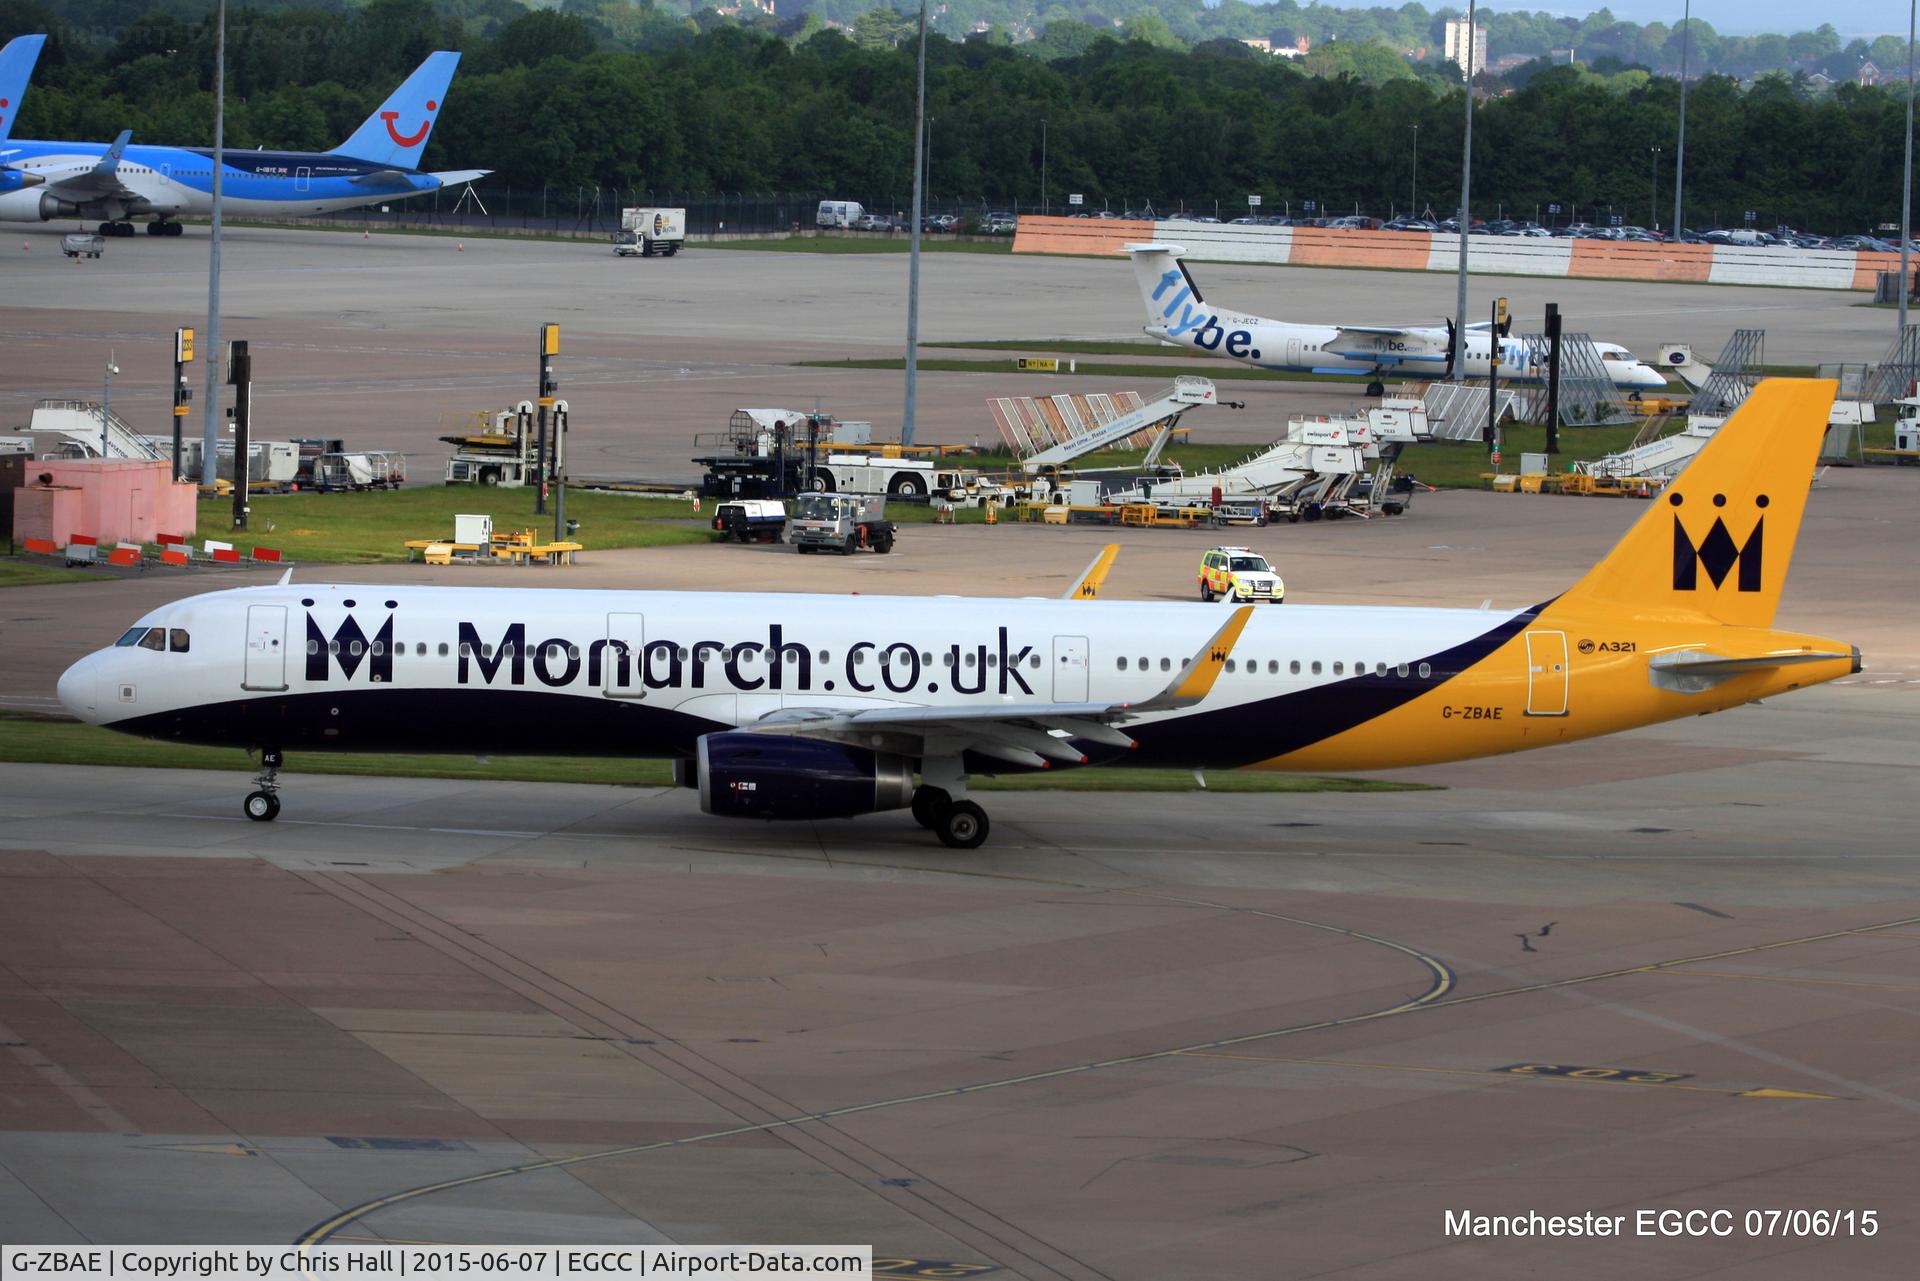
x=646, y=232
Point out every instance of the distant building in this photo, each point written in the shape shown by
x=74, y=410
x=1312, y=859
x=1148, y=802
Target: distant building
x=1561, y=57
x=1509, y=61
x=1260, y=43
x=1868, y=74
x=1457, y=49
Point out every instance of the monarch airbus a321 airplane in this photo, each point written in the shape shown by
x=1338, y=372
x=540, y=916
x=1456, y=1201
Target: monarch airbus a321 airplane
x=119, y=181
x=1177, y=314
x=814, y=707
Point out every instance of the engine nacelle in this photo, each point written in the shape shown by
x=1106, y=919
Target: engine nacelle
x=51, y=207
x=768, y=776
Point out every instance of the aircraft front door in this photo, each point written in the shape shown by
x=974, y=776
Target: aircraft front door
x=266, y=662
x=302, y=177
x=1069, y=669
x=621, y=656
x=1293, y=351
x=1546, y=673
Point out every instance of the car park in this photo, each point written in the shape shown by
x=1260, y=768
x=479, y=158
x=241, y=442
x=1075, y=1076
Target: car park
x=1236, y=574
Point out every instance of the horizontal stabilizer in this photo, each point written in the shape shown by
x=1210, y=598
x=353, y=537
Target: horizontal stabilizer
x=1695, y=671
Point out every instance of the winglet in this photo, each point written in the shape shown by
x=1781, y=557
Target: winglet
x=1195, y=681
x=111, y=160
x=1095, y=574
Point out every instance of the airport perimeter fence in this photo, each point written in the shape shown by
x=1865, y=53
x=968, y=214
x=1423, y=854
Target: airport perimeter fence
x=596, y=210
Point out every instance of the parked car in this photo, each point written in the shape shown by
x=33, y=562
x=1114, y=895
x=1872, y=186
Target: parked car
x=1001, y=223
x=871, y=222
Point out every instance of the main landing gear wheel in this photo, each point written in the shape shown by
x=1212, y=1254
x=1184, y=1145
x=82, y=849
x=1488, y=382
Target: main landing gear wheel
x=1376, y=388
x=263, y=804
x=961, y=826
x=927, y=803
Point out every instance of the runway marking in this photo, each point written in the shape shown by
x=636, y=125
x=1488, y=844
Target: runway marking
x=1430, y=1000
x=1534, y=1071
x=1441, y=981
x=1788, y=978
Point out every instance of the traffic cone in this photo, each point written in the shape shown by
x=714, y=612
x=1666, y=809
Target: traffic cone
x=365, y=234
x=992, y=518
x=459, y=248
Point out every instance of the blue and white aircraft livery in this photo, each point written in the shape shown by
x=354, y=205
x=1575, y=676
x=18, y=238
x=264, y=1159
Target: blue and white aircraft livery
x=16, y=66
x=825, y=707
x=118, y=182
x=1176, y=313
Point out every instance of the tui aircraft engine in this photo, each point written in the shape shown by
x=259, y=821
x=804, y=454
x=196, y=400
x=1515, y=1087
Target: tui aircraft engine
x=769, y=776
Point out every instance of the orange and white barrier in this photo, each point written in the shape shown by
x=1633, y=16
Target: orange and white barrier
x=1440, y=251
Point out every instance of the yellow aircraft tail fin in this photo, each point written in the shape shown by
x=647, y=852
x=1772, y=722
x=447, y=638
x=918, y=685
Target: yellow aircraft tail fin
x=1718, y=541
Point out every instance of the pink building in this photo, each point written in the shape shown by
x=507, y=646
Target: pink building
x=115, y=500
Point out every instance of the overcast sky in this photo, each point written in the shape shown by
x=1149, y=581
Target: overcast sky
x=1743, y=17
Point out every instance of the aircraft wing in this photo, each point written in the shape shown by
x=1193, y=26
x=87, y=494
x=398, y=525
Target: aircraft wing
x=455, y=177
x=1351, y=342
x=91, y=182
x=381, y=178
x=1031, y=734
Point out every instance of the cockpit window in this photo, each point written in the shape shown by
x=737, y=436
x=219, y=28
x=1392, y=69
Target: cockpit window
x=131, y=638
x=177, y=640
x=156, y=638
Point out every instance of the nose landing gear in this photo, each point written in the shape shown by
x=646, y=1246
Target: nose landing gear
x=263, y=804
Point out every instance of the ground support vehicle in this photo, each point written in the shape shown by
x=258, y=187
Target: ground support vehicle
x=751, y=520
x=1237, y=575
x=647, y=232
x=503, y=448
x=83, y=244
x=841, y=523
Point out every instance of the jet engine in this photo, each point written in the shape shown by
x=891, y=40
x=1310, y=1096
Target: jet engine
x=774, y=777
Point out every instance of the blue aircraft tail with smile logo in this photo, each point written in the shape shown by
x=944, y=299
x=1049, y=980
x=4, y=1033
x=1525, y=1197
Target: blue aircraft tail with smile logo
x=16, y=65
x=397, y=133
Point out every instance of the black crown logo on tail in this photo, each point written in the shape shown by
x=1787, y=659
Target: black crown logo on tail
x=1717, y=552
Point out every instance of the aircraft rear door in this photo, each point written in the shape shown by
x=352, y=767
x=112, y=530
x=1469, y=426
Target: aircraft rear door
x=266, y=662
x=1069, y=669
x=302, y=177
x=622, y=657
x=1293, y=351
x=1546, y=673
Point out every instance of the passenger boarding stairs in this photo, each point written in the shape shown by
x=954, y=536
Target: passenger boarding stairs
x=1660, y=458
x=1163, y=412
x=95, y=430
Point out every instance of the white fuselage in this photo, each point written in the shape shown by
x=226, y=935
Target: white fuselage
x=644, y=673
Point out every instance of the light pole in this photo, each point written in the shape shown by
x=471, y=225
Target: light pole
x=1906, y=188
x=210, y=421
x=1653, y=205
x=920, y=140
x=1043, y=165
x=106, y=402
x=1459, y=364
x=1680, y=147
x=1415, y=198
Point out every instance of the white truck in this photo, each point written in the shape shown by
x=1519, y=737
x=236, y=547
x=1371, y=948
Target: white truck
x=646, y=232
x=912, y=477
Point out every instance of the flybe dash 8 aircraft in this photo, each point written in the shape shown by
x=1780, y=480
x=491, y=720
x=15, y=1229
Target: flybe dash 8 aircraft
x=815, y=707
x=1177, y=314
x=117, y=182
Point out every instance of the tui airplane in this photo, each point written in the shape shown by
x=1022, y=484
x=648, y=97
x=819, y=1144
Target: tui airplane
x=817, y=707
x=118, y=182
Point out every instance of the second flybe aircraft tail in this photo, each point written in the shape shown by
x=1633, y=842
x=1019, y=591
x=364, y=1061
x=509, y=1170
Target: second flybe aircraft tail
x=1718, y=541
x=397, y=133
x=16, y=66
